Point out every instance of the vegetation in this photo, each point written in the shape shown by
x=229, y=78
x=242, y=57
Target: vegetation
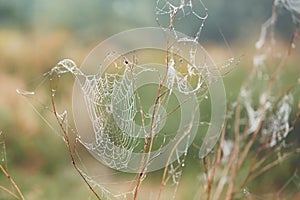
x=257, y=156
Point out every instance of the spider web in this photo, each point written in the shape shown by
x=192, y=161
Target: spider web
x=114, y=103
x=113, y=106
x=110, y=101
x=292, y=6
x=111, y=142
x=171, y=14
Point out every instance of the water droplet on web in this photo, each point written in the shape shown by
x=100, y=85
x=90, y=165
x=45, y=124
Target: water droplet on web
x=24, y=92
x=246, y=192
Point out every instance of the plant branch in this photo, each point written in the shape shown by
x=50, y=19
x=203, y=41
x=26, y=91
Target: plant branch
x=68, y=143
x=12, y=182
x=8, y=191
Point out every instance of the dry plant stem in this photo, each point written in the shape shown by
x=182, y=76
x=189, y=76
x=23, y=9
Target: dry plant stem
x=145, y=142
x=267, y=92
x=273, y=164
x=256, y=164
x=68, y=143
x=162, y=185
x=273, y=78
x=275, y=74
x=173, y=172
x=223, y=180
x=159, y=91
x=211, y=175
x=148, y=143
x=162, y=98
x=234, y=154
x=231, y=162
x=285, y=186
x=20, y=195
x=249, y=144
x=8, y=191
x=149, y=140
x=269, y=87
x=174, y=110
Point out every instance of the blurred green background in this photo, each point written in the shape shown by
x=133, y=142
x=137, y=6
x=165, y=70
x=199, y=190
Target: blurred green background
x=36, y=34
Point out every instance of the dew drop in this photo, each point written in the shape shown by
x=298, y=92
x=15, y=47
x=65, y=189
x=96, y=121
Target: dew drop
x=293, y=45
x=24, y=92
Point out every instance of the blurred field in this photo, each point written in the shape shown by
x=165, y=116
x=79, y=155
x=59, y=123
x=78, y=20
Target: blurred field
x=37, y=158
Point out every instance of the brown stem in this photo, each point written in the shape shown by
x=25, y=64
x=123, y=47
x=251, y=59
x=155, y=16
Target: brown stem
x=234, y=153
x=68, y=143
x=217, y=161
x=12, y=182
x=274, y=163
x=162, y=185
x=8, y=191
x=149, y=140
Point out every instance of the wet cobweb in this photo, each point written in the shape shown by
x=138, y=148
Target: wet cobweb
x=173, y=15
x=279, y=7
x=134, y=125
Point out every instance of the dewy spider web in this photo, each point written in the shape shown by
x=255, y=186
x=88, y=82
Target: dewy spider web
x=292, y=6
x=173, y=14
x=117, y=100
x=112, y=104
x=110, y=140
x=118, y=118
x=115, y=111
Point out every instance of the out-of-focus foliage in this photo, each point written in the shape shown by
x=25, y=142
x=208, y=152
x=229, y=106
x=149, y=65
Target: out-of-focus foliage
x=89, y=19
x=36, y=34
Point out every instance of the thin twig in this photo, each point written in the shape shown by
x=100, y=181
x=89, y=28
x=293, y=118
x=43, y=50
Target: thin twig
x=217, y=161
x=234, y=153
x=12, y=182
x=256, y=164
x=274, y=163
x=162, y=185
x=149, y=140
x=68, y=143
x=145, y=133
x=8, y=191
x=249, y=145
